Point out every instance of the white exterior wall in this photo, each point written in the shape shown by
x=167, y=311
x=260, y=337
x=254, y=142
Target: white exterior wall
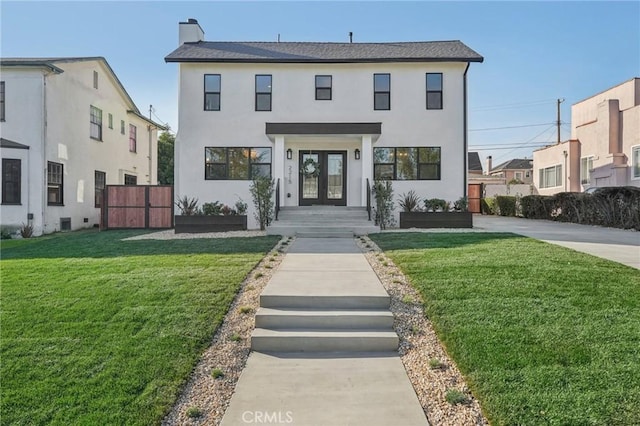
x=24, y=92
x=66, y=104
x=407, y=124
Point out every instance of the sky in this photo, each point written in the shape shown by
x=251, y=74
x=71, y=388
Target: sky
x=535, y=52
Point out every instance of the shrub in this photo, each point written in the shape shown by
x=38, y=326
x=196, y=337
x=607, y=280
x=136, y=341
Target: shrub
x=212, y=209
x=262, y=192
x=241, y=207
x=5, y=233
x=217, y=373
x=462, y=205
x=488, y=205
x=188, y=206
x=436, y=204
x=506, y=205
x=26, y=231
x=194, y=412
x=409, y=202
x=535, y=207
x=454, y=396
x=383, y=193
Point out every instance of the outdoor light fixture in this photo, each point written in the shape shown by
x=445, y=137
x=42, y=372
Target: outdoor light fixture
x=289, y=154
x=357, y=153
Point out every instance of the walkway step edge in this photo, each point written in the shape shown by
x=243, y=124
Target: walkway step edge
x=318, y=319
x=324, y=302
x=265, y=340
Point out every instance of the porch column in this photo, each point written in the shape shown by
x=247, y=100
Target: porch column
x=278, y=164
x=366, y=159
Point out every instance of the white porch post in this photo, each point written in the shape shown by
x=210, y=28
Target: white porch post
x=366, y=158
x=278, y=164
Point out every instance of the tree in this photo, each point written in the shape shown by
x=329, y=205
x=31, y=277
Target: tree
x=166, y=142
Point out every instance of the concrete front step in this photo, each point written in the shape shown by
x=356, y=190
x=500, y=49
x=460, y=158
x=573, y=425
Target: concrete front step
x=323, y=319
x=321, y=231
x=266, y=340
x=324, y=302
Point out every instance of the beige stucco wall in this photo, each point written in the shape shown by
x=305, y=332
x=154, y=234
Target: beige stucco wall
x=555, y=155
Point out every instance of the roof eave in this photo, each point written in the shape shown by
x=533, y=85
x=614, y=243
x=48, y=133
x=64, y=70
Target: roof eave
x=317, y=60
x=45, y=65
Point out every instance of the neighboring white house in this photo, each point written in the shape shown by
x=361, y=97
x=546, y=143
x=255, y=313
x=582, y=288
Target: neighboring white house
x=68, y=128
x=359, y=110
x=604, y=149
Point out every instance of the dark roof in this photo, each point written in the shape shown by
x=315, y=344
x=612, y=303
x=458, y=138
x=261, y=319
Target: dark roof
x=474, y=163
x=49, y=63
x=6, y=143
x=515, y=164
x=292, y=52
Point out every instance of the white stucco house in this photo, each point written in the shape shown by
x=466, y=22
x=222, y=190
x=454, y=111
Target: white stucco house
x=604, y=149
x=68, y=127
x=360, y=111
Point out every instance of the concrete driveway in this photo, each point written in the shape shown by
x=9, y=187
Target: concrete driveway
x=619, y=245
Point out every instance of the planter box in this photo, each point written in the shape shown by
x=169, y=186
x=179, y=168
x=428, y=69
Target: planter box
x=198, y=224
x=436, y=220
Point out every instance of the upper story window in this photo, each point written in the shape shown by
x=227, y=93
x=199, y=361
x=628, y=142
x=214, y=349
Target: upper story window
x=122, y=127
x=434, y=90
x=11, y=181
x=130, y=179
x=586, y=165
x=635, y=162
x=416, y=163
x=382, y=91
x=133, y=138
x=323, y=87
x=551, y=176
x=95, y=79
x=96, y=123
x=212, y=92
x=263, y=93
x=2, y=101
x=54, y=183
x=100, y=185
x=110, y=121
x=236, y=163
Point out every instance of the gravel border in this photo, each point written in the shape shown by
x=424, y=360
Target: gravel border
x=211, y=396
x=169, y=234
x=419, y=345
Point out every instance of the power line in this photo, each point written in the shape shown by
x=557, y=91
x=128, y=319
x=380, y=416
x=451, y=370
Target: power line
x=509, y=127
x=511, y=147
x=513, y=105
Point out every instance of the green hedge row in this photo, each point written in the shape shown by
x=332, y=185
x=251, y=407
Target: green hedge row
x=613, y=207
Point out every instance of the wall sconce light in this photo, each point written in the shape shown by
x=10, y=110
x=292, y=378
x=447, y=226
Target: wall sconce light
x=289, y=154
x=357, y=153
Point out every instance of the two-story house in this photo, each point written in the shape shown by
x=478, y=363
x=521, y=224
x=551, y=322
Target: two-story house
x=519, y=170
x=604, y=149
x=321, y=119
x=68, y=127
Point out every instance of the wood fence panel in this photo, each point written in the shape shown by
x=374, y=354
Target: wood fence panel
x=138, y=207
x=474, y=197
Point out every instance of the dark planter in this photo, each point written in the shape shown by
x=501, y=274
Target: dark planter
x=436, y=220
x=196, y=224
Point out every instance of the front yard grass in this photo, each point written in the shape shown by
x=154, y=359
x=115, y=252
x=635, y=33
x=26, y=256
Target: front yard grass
x=96, y=330
x=543, y=334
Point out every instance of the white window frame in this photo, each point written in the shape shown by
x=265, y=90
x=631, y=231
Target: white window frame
x=585, y=173
x=558, y=173
x=635, y=162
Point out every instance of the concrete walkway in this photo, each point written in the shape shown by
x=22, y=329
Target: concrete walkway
x=317, y=387
x=619, y=245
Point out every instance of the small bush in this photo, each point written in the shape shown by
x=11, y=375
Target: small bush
x=26, y=231
x=217, y=373
x=212, y=209
x=409, y=202
x=462, y=205
x=258, y=275
x=454, y=397
x=235, y=337
x=407, y=299
x=188, y=206
x=435, y=364
x=246, y=309
x=383, y=194
x=241, y=207
x=488, y=206
x=506, y=205
x=194, y=412
x=436, y=205
x=5, y=234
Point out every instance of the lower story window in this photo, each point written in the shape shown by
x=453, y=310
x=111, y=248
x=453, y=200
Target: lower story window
x=11, y=180
x=236, y=163
x=100, y=185
x=414, y=163
x=130, y=179
x=551, y=176
x=635, y=162
x=586, y=165
x=55, y=183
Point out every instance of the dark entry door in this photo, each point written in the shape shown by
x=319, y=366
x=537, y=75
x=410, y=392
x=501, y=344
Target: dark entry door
x=328, y=186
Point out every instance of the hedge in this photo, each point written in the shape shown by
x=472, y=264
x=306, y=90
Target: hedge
x=617, y=207
x=506, y=205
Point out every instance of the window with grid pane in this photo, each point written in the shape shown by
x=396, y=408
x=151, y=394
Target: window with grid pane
x=236, y=163
x=382, y=91
x=212, y=92
x=96, y=123
x=100, y=184
x=410, y=163
x=263, y=92
x=133, y=138
x=323, y=87
x=434, y=90
x=586, y=165
x=11, y=181
x=54, y=183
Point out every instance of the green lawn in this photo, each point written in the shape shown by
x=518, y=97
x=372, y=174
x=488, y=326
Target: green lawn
x=96, y=330
x=543, y=334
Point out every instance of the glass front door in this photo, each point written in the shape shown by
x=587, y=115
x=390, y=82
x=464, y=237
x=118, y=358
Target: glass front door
x=323, y=178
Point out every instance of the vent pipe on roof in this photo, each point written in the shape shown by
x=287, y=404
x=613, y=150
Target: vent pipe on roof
x=489, y=165
x=350, y=36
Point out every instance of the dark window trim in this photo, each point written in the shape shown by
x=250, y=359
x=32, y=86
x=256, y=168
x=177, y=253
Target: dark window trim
x=219, y=93
x=2, y=101
x=132, y=179
x=59, y=185
x=133, y=141
x=270, y=92
x=16, y=198
x=226, y=163
x=97, y=123
x=418, y=163
x=99, y=190
x=441, y=91
x=388, y=93
x=330, y=88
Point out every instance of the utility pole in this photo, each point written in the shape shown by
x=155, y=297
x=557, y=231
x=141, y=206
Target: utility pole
x=151, y=109
x=558, y=121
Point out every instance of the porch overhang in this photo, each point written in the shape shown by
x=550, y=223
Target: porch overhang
x=323, y=129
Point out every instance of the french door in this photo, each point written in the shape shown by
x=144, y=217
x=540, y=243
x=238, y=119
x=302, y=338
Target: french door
x=323, y=181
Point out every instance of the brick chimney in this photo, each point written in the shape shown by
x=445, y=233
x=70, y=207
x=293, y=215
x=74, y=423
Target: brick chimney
x=489, y=165
x=190, y=32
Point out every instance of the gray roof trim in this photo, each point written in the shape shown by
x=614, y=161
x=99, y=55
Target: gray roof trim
x=514, y=164
x=323, y=128
x=310, y=52
x=148, y=120
x=30, y=63
x=6, y=143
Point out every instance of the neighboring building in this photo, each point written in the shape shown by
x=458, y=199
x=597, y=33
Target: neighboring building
x=518, y=169
x=68, y=128
x=362, y=111
x=604, y=149
x=474, y=165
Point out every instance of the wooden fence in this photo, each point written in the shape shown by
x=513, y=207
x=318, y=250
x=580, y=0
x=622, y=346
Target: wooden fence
x=474, y=196
x=137, y=207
